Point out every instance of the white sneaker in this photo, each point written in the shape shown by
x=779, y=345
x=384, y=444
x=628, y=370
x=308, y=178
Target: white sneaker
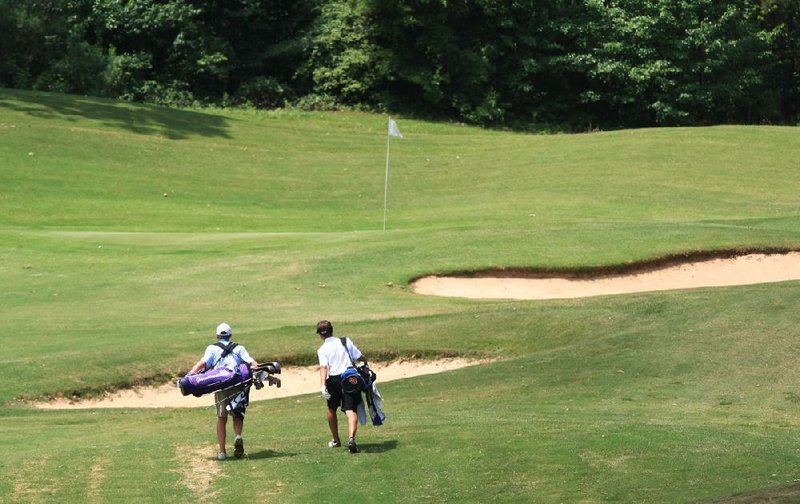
x=333, y=444
x=221, y=456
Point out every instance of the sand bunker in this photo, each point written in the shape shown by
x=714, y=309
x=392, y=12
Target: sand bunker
x=740, y=270
x=295, y=381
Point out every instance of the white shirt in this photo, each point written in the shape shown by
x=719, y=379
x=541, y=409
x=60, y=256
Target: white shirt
x=231, y=361
x=333, y=355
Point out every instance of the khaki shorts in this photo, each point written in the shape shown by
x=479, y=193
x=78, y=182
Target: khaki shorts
x=224, y=397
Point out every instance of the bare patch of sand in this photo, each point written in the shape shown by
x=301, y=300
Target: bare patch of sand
x=295, y=381
x=741, y=270
x=30, y=483
x=97, y=476
x=198, y=470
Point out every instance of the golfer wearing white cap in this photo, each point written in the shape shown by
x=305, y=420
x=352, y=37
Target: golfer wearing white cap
x=225, y=354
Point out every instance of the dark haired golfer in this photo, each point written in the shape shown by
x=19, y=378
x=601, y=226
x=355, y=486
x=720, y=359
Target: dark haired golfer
x=333, y=361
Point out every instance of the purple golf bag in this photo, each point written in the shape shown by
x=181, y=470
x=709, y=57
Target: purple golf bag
x=213, y=380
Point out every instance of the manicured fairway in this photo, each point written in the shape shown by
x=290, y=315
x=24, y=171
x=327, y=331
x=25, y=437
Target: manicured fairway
x=128, y=232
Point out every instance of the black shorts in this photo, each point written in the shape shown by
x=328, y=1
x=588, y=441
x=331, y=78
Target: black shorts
x=348, y=402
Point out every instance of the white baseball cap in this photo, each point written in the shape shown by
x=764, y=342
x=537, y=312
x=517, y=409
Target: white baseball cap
x=224, y=330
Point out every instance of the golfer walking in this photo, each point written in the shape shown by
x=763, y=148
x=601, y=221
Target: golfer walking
x=229, y=355
x=334, y=358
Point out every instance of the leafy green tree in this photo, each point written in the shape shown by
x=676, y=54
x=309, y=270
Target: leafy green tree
x=723, y=59
x=668, y=62
x=264, y=40
x=437, y=58
x=180, y=50
x=782, y=17
x=342, y=64
x=34, y=36
x=569, y=64
x=8, y=28
x=153, y=47
x=77, y=71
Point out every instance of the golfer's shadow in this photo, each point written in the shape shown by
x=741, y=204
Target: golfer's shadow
x=268, y=454
x=378, y=447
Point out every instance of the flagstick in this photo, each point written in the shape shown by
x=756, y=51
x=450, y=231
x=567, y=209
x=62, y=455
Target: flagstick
x=386, y=183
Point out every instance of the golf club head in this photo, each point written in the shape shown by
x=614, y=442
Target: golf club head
x=270, y=367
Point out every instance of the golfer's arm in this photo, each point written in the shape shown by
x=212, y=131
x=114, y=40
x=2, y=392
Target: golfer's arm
x=323, y=375
x=198, y=367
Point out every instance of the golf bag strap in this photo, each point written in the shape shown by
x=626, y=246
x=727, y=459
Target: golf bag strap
x=225, y=351
x=344, y=344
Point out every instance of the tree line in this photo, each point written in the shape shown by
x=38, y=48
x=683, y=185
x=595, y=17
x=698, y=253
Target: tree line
x=560, y=64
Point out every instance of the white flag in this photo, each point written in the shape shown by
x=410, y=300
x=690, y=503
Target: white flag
x=393, y=129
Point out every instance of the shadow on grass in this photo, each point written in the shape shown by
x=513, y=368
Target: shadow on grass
x=783, y=495
x=266, y=454
x=378, y=447
x=174, y=124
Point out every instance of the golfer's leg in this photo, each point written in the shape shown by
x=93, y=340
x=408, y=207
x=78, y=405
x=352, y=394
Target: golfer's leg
x=221, y=423
x=352, y=423
x=238, y=424
x=333, y=423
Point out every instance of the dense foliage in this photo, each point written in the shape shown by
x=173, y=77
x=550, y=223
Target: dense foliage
x=572, y=64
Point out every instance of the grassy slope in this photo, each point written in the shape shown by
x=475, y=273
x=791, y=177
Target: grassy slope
x=272, y=221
